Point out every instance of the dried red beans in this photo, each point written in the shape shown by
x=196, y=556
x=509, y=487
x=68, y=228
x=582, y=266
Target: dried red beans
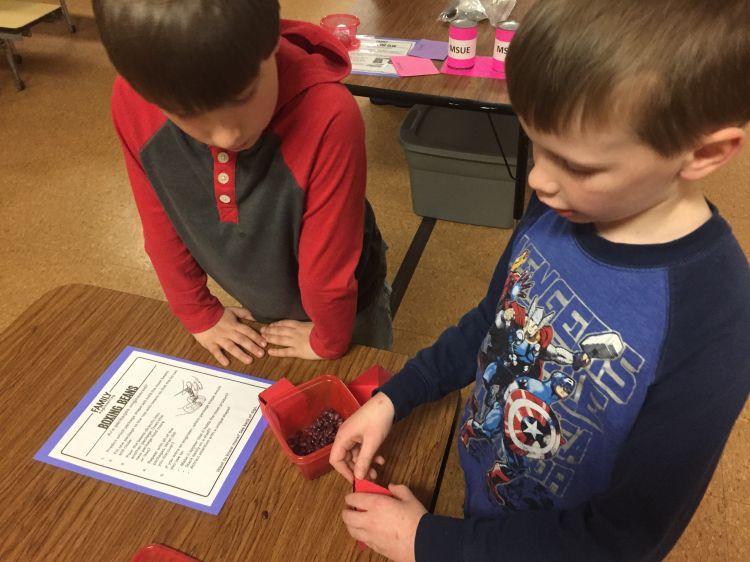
x=317, y=435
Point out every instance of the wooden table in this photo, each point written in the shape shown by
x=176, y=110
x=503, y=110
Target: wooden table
x=417, y=19
x=53, y=354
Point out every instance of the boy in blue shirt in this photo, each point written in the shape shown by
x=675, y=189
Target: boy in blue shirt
x=610, y=353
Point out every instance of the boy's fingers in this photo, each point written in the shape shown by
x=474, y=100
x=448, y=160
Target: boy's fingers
x=364, y=459
x=277, y=336
x=354, y=522
x=249, y=345
x=282, y=352
x=276, y=329
x=343, y=468
x=237, y=352
x=248, y=332
x=363, y=501
x=217, y=353
x=243, y=313
x=341, y=457
x=286, y=324
x=400, y=491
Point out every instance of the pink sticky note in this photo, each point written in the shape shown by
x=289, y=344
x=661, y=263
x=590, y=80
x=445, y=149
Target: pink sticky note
x=482, y=69
x=367, y=487
x=363, y=386
x=413, y=66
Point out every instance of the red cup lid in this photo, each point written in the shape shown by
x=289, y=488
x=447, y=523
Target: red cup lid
x=336, y=20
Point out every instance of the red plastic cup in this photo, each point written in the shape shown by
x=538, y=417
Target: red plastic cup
x=344, y=28
x=293, y=410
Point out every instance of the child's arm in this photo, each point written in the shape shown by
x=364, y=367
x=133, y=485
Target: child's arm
x=330, y=241
x=217, y=329
x=438, y=370
x=360, y=436
x=181, y=278
x=658, y=482
x=665, y=464
x=451, y=362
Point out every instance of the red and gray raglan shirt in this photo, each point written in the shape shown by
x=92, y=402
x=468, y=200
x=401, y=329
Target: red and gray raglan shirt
x=607, y=378
x=284, y=227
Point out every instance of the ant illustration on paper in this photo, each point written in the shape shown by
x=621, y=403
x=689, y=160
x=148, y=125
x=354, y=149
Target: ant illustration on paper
x=194, y=400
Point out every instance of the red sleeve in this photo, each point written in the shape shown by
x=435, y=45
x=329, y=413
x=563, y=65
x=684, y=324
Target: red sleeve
x=332, y=229
x=181, y=278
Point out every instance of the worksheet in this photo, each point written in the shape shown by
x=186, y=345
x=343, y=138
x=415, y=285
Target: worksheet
x=163, y=426
x=373, y=56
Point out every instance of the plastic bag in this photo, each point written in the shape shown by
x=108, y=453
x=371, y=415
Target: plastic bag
x=463, y=9
x=498, y=10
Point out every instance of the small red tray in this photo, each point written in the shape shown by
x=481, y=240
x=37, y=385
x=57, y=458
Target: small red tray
x=161, y=553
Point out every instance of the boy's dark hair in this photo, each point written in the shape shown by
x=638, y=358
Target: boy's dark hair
x=671, y=70
x=188, y=56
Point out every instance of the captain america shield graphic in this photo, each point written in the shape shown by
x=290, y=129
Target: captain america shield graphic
x=531, y=427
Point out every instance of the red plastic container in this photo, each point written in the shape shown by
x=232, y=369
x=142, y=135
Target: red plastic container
x=344, y=28
x=161, y=553
x=296, y=408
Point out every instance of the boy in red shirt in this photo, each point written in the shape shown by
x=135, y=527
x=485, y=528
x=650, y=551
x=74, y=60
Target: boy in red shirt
x=247, y=163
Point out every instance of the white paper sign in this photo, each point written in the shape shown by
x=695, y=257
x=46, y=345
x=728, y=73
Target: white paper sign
x=164, y=426
x=373, y=56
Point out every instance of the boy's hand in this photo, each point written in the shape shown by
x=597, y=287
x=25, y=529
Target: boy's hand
x=387, y=525
x=360, y=436
x=292, y=336
x=229, y=335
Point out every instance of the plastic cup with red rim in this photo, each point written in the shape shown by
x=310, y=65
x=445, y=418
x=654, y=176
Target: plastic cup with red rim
x=343, y=27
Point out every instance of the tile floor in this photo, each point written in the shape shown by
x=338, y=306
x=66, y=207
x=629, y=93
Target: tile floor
x=66, y=216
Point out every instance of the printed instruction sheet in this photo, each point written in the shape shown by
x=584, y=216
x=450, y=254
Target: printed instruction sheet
x=163, y=426
x=373, y=56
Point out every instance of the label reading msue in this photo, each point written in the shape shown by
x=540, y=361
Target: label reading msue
x=462, y=50
x=501, y=49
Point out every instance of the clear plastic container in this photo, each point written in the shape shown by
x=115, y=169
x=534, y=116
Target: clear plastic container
x=296, y=408
x=344, y=28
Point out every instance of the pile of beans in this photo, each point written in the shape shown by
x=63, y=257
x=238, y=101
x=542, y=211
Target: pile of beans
x=317, y=435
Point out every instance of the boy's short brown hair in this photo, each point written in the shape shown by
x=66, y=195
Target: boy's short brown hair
x=188, y=56
x=671, y=70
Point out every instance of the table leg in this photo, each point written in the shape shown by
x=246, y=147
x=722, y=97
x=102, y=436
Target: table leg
x=411, y=260
x=68, y=19
x=10, y=54
x=521, y=171
x=446, y=453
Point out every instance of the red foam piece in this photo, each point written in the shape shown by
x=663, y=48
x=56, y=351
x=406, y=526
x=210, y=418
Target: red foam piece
x=161, y=553
x=363, y=386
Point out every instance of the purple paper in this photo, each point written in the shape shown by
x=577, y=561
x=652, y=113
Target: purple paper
x=427, y=49
x=482, y=69
x=214, y=508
